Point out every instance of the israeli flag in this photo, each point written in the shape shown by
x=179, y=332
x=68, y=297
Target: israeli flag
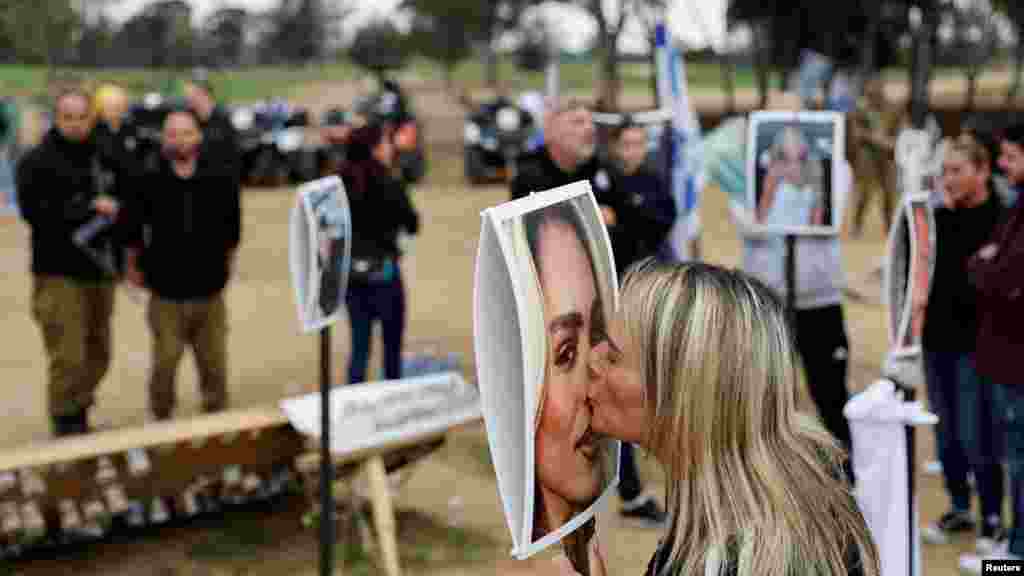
x=685, y=147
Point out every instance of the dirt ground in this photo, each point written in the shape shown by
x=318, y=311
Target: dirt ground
x=269, y=359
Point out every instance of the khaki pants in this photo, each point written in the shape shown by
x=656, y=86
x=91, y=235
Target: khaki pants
x=74, y=318
x=200, y=324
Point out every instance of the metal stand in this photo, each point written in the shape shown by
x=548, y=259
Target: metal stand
x=326, y=462
x=791, y=276
x=909, y=395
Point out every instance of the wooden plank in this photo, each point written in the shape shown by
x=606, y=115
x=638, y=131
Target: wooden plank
x=151, y=435
x=383, y=514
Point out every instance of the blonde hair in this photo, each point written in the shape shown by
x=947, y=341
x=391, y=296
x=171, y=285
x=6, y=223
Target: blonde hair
x=749, y=479
x=968, y=146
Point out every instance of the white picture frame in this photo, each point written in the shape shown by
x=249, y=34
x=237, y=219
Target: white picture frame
x=320, y=222
x=817, y=140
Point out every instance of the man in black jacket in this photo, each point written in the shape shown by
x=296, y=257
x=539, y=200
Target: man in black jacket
x=190, y=207
x=569, y=155
x=59, y=190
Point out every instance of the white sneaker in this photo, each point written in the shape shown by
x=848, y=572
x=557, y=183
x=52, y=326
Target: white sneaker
x=971, y=563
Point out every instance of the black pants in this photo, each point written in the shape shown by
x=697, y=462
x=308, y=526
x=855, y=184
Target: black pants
x=825, y=351
x=367, y=303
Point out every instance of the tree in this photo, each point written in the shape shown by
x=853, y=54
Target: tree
x=499, y=17
x=1014, y=11
x=977, y=42
x=443, y=30
x=40, y=31
x=224, y=32
x=380, y=47
x=610, y=24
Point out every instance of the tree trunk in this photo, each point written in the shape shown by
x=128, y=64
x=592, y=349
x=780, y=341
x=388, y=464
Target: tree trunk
x=728, y=82
x=924, y=55
x=610, y=68
x=1018, y=67
x=760, y=66
x=867, y=58
x=653, y=57
x=972, y=86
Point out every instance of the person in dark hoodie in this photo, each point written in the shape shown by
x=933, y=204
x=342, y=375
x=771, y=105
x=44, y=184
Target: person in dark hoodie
x=72, y=296
x=183, y=228
x=380, y=209
x=969, y=434
x=997, y=273
x=638, y=209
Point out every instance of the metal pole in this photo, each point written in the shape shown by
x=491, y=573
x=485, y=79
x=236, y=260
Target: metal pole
x=909, y=396
x=791, y=275
x=326, y=464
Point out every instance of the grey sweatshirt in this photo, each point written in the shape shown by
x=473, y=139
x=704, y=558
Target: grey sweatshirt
x=819, y=262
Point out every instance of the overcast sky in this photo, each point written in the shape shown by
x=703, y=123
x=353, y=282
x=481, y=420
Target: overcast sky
x=697, y=22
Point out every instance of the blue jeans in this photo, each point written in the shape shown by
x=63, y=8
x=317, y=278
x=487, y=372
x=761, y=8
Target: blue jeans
x=970, y=431
x=368, y=303
x=1013, y=419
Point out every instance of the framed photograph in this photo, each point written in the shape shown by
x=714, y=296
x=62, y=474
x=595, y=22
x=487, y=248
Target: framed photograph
x=320, y=251
x=792, y=165
x=910, y=264
x=545, y=290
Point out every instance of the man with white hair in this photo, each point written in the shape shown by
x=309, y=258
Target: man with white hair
x=569, y=155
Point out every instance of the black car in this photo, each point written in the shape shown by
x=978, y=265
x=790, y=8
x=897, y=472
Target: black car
x=495, y=134
x=273, y=146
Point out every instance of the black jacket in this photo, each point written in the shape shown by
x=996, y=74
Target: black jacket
x=537, y=172
x=57, y=182
x=644, y=214
x=220, y=140
x=378, y=216
x=193, y=225
x=950, y=320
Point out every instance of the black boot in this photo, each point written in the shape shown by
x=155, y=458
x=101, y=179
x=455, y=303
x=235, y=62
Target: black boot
x=71, y=424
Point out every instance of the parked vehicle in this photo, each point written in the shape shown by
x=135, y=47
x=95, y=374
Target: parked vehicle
x=495, y=134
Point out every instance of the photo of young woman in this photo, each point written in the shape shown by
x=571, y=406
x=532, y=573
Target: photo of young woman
x=568, y=270
x=793, y=188
x=791, y=160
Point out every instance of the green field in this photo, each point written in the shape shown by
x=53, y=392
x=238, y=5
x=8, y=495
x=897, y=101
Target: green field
x=255, y=83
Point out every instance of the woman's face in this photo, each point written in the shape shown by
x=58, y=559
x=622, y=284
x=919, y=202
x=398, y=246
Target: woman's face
x=567, y=451
x=791, y=160
x=616, y=391
x=960, y=179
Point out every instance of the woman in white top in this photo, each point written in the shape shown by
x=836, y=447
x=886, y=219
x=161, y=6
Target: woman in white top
x=792, y=187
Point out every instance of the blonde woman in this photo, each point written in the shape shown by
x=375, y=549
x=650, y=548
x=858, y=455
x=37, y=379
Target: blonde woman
x=793, y=187
x=570, y=293
x=700, y=369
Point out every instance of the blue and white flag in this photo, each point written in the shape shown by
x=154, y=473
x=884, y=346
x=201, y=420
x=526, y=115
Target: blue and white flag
x=685, y=148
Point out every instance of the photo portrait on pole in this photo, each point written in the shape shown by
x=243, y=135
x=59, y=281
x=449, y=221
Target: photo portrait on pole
x=320, y=251
x=560, y=276
x=792, y=164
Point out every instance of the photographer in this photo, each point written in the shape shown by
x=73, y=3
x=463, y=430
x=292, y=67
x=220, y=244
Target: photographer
x=380, y=210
